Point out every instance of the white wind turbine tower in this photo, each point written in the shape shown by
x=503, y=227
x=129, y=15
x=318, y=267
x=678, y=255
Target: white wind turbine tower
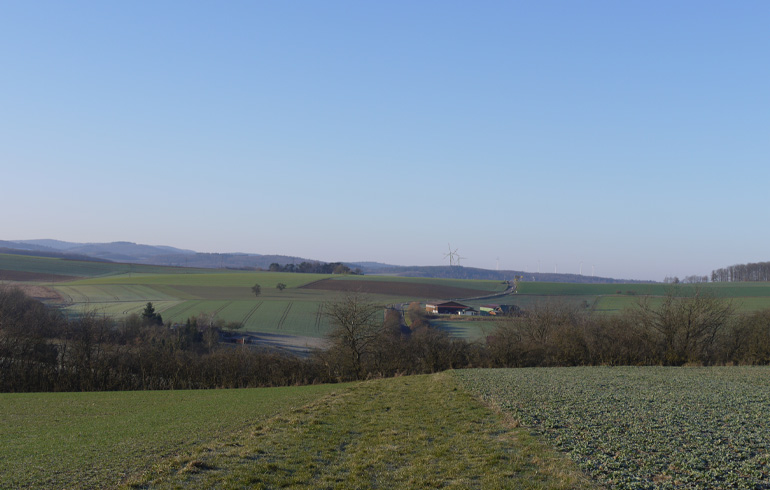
x=453, y=257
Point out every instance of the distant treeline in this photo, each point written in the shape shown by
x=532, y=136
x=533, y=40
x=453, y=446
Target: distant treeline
x=759, y=271
x=41, y=350
x=314, y=268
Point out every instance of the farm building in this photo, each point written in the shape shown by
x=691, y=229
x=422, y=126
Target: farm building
x=449, y=308
x=494, y=309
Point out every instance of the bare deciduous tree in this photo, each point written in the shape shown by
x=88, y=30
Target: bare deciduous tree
x=356, y=324
x=686, y=323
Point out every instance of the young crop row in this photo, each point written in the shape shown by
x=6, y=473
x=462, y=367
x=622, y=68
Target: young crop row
x=645, y=427
x=286, y=317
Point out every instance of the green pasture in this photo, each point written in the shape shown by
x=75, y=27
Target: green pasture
x=213, y=278
x=98, y=440
x=78, y=268
x=579, y=289
x=613, y=298
x=722, y=289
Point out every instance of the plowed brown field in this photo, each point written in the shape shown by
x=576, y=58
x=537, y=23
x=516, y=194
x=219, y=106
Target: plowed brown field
x=410, y=289
x=6, y=275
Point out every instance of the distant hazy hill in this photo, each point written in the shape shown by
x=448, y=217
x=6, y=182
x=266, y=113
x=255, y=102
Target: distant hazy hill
x=115, y=251
x=129, y=252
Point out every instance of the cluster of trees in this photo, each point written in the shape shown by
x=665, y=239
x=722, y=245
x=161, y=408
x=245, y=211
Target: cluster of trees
x=687, y=280
x=41, y=350
x=257, y=289
x=315, y=268
x=759, y=271
x=689, y=326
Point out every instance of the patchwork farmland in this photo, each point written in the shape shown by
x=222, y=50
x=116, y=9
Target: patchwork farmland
x=119, y=290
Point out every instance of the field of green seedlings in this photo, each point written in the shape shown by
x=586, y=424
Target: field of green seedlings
x=97, y=440
x=644, y=427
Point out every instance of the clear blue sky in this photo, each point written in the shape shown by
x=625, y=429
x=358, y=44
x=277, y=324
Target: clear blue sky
x=633, y=136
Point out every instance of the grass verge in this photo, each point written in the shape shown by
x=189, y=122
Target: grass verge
x=410, y=432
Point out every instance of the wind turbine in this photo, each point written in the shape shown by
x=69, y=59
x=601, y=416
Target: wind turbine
x=452, y=255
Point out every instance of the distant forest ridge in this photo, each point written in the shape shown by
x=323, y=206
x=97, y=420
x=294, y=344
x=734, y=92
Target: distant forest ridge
x=753, y=272
x=132, y=253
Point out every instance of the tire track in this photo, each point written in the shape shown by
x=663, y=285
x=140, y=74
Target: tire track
x=319, y=317
x=285, y=314
x=187, y=308
x=216, y=312
x=251, y=313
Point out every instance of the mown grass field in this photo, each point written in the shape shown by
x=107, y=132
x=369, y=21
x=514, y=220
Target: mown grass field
x=644, y=427
x=406, y=433
x=98, y=440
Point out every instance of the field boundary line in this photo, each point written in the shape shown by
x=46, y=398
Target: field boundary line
x=312, y=282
